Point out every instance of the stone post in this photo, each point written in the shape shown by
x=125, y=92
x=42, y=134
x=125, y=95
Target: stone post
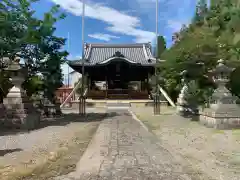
x=19, y=110
x=181, y=100
x=223, y=112
x=57, y=107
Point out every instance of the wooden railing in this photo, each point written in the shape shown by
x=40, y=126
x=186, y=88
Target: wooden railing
x=71, y=95
x=97, y=94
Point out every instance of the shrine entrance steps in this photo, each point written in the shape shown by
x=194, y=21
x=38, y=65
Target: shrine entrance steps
x=112, y=104
x=118, y=105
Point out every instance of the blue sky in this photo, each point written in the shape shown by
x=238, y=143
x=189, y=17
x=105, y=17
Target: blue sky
x=117, y=21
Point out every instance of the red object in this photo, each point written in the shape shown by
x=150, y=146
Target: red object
x=63, y=92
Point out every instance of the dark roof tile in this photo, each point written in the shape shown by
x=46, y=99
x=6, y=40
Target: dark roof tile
x=98, y=53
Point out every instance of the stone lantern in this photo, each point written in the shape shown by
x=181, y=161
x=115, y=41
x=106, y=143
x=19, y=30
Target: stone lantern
x=221, y=95
x=18, y=75
x=19, y=110
x=223, y=113
x=181, y=101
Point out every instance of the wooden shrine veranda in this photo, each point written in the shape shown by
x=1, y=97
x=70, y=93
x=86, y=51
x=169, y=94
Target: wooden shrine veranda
x=117, y=65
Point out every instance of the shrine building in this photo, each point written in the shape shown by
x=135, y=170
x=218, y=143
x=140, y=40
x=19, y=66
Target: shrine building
x=118, y=65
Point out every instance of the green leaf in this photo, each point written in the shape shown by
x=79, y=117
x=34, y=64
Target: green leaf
x=55, y=9
x=236, y=39
x=62, y=16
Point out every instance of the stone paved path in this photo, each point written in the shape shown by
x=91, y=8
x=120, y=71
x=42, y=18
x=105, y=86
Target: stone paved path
x=122, y=150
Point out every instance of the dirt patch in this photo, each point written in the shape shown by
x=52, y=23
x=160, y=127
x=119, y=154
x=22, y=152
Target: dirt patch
x=214, y=152
x=65, y=160
x=51, y=151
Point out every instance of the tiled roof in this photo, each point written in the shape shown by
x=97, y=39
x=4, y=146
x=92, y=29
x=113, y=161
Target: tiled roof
x=103, y=53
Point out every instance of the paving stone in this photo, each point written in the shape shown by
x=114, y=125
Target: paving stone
x=132, y=154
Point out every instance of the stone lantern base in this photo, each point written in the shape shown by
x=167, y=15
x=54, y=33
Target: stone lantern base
x=225, y=117
x=20, y=111
x=57, y=108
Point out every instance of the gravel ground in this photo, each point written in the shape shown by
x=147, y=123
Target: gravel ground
x=122, y=149
x=20, y=151
x=214, y=152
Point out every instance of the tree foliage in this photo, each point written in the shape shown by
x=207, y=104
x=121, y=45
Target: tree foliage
x=212, y=35
x=161, y=45
x=34, y=41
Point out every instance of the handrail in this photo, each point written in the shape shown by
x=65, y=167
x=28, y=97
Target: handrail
x=164, y=93
x=166, y=96
x=85, y=92
x=71, y=94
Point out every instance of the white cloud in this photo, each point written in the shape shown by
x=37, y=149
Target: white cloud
x=118, y=22
x=104, y=37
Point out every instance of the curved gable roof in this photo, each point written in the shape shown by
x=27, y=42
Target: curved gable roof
x=135, y=53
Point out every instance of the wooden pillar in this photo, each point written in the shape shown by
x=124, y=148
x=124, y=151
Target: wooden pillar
x=141, y=89
x=148, y=83
x=106, y=85
x=89, y=83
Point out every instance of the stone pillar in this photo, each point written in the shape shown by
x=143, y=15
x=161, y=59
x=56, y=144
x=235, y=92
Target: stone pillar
x=2, y=111
x=223, y=112
x=181, y=100
x=58, y=110
x=19, y=109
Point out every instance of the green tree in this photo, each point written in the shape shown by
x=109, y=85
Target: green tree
x=161, y=45
x=212, y=35
x=200, y=13
x=33, y=40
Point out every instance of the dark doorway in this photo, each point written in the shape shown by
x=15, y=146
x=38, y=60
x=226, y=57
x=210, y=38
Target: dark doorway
x=118, y=72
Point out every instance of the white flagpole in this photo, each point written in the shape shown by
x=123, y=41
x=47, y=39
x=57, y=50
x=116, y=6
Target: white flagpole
x=156, y=41
x=156, y=106
x=156, y=27
x=68, y=47
x=83, y=17
x=81, y=108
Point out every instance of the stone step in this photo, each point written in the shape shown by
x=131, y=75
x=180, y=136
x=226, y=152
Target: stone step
x=118, y=104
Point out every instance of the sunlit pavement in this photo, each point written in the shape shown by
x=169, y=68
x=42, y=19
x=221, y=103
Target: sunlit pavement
x=123, y=149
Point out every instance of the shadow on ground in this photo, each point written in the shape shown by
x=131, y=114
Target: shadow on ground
x=62, y=120
x=7, y=151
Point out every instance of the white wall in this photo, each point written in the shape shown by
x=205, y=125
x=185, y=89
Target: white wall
x=74, y=77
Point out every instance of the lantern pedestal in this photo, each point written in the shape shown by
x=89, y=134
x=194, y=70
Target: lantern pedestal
x=57, y=108
x=183, y=106
x=19, y=109
x=181, y=102
x=224, y=118
x=223, y=112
